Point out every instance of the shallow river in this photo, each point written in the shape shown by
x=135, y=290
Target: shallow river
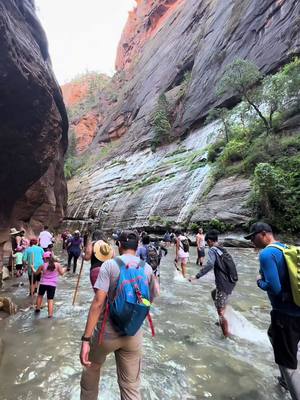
x=188, y=359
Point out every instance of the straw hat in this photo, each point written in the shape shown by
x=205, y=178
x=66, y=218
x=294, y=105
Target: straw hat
x=13, y=231
x=103, y=251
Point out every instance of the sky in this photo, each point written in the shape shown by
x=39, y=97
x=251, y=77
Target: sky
x=83, y=35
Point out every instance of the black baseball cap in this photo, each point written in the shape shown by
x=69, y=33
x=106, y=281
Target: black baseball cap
x=128, y=240
x=257, y=228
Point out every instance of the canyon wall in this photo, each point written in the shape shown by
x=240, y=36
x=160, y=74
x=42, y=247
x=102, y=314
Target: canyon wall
x=163, y=42
x=34, y=124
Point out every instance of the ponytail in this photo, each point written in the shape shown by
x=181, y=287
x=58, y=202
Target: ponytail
x=51, y=264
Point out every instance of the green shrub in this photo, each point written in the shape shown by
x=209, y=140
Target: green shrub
x=156, y=220
x=234, y=151
x=161, y=122
x=193, y=227
x=276, y=193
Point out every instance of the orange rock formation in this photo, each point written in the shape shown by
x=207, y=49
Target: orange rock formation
x=143, y=23
x=74, y=92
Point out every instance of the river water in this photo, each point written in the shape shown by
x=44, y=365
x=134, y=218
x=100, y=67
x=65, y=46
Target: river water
x=188, y=359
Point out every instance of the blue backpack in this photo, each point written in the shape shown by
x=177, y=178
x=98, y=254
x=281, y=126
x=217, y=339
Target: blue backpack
x=131, y=304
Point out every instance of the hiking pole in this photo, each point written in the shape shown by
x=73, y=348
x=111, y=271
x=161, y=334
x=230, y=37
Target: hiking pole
x=78, y=280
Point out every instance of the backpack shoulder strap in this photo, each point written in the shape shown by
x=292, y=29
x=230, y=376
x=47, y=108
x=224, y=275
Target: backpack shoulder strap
x=276, y=246
x=141, y=264
x=119, y=262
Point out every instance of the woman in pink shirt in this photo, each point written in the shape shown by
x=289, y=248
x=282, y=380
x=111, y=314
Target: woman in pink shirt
x=50, y=273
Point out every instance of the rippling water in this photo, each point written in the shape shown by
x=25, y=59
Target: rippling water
x=188, y=359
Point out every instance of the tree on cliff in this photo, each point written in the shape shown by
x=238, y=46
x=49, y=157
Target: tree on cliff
x=161, y=122
x=241, y=78
x=276, y=95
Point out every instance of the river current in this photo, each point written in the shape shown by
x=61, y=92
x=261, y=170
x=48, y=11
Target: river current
x=188, y=359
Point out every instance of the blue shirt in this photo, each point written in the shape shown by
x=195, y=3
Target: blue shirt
x=142, y=252
x=275, y=280
x=33, y=255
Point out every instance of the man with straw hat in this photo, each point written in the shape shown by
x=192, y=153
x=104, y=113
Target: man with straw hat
x=97, y=251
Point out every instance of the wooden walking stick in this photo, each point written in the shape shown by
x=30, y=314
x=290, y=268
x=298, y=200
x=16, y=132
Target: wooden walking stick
x=12, y=264
x=31, y=289
x=78, y=280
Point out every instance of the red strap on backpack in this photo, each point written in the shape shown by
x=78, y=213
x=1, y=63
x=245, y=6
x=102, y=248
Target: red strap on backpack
x=151, y=324
x=101, y=334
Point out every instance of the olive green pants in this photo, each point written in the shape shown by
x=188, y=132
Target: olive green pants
x=128, y=355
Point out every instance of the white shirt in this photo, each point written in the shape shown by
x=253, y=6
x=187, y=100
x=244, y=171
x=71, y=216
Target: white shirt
x=181, y=252
x=45, y=239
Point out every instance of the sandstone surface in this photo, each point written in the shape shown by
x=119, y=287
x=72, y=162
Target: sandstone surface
x=180, y=49
x=34, y=124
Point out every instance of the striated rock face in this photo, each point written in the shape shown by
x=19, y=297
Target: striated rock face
x=163, y=188
x=162, y=41
x=143, y=23
x=34, y=124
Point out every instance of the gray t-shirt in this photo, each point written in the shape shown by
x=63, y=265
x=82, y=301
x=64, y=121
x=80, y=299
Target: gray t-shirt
x=108, y=280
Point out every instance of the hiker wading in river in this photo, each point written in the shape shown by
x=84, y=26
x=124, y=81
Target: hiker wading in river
x=274, y=278
x=225, y=276
x=124, y=335
x=98, y=251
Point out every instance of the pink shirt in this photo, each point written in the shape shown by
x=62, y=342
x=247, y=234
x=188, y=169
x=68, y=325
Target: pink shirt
x=50, y=278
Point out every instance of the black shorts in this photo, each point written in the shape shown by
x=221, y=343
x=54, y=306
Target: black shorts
x=36, y=278
x=49, y=289
x=201, y=252
x=19, y=267
x=284, y=332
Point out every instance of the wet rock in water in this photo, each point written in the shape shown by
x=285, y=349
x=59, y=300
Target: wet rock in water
x=7, y=305
x=235, y=242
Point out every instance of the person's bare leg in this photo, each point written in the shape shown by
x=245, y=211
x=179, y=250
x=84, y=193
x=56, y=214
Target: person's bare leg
x=183, y=269
x=50, y=308
x=39, y=302
x=223, y=322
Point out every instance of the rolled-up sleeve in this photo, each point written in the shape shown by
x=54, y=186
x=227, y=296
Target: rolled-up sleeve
x=103, y=279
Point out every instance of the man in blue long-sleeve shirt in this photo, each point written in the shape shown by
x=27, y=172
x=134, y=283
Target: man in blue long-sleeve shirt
x=284, y=330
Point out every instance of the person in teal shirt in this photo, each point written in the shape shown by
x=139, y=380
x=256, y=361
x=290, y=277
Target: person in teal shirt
x=18, y=256
x=33, y=257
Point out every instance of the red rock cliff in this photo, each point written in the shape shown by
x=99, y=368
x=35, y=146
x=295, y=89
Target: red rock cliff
x=143, y=22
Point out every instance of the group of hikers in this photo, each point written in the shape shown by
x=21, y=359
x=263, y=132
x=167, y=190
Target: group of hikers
x=126, y=284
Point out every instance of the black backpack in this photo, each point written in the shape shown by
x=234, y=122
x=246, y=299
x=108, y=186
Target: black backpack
x=153, y=256
x=185, y=245
x=227, y=265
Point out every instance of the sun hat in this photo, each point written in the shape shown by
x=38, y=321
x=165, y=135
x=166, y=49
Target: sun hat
x=47, y=254
x=13, y=231
x=103, y=251
x=258, y=227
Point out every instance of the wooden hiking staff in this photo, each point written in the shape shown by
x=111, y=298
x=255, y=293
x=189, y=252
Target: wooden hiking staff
x=31, y=288
x=78, y=280
x=12, y=264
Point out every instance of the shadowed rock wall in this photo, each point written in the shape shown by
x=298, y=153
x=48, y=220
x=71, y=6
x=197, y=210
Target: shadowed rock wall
x=34, y=124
